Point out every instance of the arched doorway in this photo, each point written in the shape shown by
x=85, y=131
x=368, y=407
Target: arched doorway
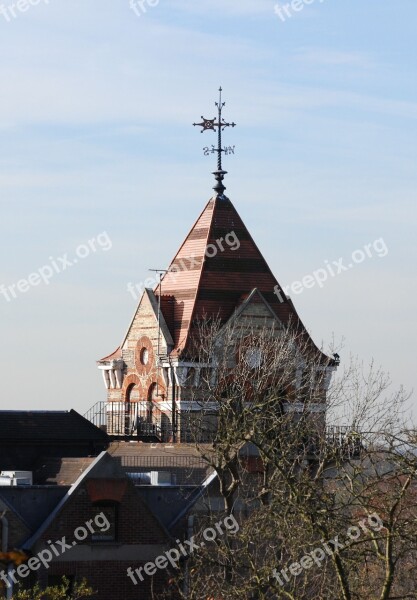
x=132, y=399
x=153, y=392
x=156, y=417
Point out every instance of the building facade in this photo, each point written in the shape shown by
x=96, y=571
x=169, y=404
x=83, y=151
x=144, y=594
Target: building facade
x=154, y=378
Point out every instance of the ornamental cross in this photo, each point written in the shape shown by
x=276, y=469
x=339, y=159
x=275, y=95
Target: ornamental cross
x=220, y=125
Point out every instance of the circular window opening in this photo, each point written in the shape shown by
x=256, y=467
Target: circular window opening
x=253, y=358
x=144, y=356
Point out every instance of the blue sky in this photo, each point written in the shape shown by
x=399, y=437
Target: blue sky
x=96, y=108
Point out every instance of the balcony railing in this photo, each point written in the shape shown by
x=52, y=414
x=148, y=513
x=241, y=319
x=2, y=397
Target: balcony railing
x=151, y=422
x=142, y=420
x=349, y=440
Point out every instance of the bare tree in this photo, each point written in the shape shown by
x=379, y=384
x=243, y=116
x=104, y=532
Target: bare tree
x=330, y=513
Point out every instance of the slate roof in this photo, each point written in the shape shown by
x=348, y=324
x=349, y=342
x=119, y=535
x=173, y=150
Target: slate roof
x=102, y=467
x=182, y=460
x=60, y=471
x=33, y=504
x=47, y=426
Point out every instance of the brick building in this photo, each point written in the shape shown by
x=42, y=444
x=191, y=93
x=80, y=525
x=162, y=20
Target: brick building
x=137, y=466
x=95, y=509
x=153, y=378
x=133, y=462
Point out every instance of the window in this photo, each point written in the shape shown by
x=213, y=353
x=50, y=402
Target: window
x=190, y=381
x=156, y=392
x=206, y=376
x=253, y=357
x=133, y=393
x=103, y=533
x=144, y=356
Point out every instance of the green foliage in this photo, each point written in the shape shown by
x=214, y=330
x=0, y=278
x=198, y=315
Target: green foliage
x=56, y=592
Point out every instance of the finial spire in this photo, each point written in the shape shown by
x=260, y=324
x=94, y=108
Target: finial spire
x=220, y=124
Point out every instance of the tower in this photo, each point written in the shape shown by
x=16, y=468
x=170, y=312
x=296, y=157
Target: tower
x=218, y=272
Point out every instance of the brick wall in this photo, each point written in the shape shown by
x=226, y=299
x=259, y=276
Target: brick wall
x=136, y=528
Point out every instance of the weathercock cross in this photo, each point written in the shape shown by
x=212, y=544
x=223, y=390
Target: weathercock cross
x=220, y=125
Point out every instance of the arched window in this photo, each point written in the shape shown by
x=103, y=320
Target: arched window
x=153, y=392
x=133, y=393
x=156, y=392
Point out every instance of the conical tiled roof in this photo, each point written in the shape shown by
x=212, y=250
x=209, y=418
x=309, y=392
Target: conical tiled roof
x=215, y=269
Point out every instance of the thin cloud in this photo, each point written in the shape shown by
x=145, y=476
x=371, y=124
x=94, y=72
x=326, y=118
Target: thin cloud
x=230, y=8
x=329, y=57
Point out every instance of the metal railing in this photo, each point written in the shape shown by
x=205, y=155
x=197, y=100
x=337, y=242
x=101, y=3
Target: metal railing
x=348, y=439
x=142, y=420
x=151, y=422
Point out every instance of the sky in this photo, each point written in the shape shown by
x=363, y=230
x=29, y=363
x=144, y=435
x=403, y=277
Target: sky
x=102, y=174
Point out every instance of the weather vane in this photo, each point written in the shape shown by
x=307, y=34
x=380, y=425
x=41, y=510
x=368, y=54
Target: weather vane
x=220, y=125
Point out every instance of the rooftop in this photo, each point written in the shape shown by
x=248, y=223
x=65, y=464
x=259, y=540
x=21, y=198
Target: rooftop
x=47, y=426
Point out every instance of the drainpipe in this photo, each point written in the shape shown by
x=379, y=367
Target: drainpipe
x=9, y=591
x=173, y=402
x=4, y=548
x=4, y=533
x=190, y=530
x=174, y=409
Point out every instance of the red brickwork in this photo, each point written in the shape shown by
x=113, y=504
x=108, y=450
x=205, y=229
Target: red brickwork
x=136, y=526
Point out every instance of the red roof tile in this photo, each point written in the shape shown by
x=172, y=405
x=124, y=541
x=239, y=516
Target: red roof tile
x=211, y=277
x=113, y=356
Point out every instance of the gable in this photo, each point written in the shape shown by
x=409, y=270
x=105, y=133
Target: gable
x=256, y=312
x=103, y=481
x=145, y=324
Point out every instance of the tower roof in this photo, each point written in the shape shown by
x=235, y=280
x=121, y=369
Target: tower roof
x=214, y=271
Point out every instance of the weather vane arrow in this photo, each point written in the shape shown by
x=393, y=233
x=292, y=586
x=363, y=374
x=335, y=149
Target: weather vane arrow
x=220, y=125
